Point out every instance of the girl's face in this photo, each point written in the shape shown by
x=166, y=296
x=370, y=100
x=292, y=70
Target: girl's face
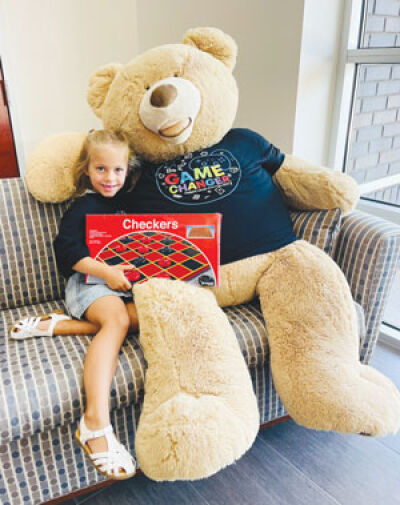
x=108, y=168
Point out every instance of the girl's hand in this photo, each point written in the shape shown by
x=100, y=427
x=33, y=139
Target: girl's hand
x=116, y=279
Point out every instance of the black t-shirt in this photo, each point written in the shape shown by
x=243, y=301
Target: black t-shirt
x=233, y=177
x=70, y=243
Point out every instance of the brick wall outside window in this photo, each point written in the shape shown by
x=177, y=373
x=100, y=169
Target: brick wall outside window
x=374, y=149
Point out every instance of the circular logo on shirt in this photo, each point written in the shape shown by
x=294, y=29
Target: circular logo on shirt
x=200, y=178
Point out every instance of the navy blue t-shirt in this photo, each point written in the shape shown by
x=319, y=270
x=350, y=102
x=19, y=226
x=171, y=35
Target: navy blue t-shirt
x=70, y=243
x=234, y=178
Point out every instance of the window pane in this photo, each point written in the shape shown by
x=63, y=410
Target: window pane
x=382, y=24
x=374, y=147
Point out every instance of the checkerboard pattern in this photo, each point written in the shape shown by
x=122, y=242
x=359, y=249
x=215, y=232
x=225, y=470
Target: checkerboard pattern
x=155, y=254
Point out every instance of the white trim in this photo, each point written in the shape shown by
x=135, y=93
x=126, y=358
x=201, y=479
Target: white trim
x=344, y=85
x=389, y=336
x=388, y=55
x=382, y=210
x=378, y=184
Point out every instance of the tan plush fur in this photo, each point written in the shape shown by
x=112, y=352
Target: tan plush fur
x=49, y=174
x=200, y=413
x=307, y=187
x=313, y=338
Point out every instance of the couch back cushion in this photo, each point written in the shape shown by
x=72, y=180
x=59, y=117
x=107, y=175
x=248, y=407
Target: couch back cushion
x=319, y=227
x=28, y=272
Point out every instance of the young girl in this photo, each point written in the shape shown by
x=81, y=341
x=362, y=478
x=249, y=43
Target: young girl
x=109, y=312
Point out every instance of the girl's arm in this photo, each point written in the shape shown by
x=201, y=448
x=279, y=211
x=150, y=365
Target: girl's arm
x=112, y=275
x=70, y=247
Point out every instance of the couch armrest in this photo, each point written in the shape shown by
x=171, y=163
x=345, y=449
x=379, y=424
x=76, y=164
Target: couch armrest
x=367, y=250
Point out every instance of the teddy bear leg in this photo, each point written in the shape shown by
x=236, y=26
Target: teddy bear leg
x=199, y=412
x=312, y=331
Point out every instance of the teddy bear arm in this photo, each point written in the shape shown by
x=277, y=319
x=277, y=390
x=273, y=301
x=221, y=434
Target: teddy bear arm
x=49, y=168
x=309, y=187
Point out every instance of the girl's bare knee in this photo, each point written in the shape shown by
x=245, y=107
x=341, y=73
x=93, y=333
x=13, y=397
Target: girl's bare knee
x=122, y=320
x=106, y=310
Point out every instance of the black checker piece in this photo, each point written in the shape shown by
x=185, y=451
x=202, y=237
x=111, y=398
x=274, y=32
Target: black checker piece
x=115, y=260
x=192, y=264
x=166, y=250
x=167, y=241
x=190, y=252
x=206, y=280
x=126, y=240
x=140, y=261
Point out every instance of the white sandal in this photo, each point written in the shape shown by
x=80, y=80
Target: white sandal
x=108, y=463
x=28, y=327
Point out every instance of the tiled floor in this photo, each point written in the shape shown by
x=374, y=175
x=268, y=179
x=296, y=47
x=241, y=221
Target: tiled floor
x=287, y=465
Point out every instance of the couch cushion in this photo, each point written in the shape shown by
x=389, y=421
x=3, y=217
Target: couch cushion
x=318, y=227
x=27, y=230
x=41, y=378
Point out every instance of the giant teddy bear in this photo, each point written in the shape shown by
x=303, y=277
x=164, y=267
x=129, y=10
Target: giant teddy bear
x=178, y=103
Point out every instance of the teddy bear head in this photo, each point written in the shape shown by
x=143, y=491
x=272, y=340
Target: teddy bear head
x=172, y=99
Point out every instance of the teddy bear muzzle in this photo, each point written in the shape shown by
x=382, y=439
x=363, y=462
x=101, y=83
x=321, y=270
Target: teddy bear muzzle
x=169, y=109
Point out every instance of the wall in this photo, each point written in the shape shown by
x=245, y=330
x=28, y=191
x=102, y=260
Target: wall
x=322, y=24
x=268, y=34
x=49, y=49
x=285, y=73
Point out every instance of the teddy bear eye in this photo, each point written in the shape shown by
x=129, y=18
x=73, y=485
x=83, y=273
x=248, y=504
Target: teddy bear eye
x=175, y=75
x=147, y=88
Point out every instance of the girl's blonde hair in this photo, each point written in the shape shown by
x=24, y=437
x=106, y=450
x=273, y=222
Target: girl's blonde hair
x=103, y=137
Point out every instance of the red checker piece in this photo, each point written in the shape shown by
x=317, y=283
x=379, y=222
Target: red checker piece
x=132, y=275
x=142, y=249
x=164, y=262
x=146, y=240
x=119, y=248
x=163, y=275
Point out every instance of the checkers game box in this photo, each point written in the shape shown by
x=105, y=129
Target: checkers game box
x=174, y=246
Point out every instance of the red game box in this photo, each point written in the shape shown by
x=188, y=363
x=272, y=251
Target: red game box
x=175, y=246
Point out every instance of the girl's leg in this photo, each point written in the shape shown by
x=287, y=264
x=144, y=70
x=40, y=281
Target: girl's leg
x=111, y=315
x=81, y=327
x=72, y=327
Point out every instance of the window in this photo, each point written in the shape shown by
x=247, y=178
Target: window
x=373, y=141
x=366, y=127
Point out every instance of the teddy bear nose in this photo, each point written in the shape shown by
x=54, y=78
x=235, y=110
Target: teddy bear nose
x=163, y=95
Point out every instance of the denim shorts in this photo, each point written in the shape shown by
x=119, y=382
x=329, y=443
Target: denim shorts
x=79, y=295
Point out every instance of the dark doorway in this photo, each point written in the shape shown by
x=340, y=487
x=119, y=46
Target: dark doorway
x=8, y=158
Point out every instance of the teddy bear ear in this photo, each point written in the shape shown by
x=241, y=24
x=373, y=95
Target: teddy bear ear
x=99, y=84
x=215, y=42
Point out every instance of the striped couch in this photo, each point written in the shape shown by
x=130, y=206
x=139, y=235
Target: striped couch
x=41, y=391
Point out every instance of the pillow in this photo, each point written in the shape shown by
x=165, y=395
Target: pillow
x=319, y=227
